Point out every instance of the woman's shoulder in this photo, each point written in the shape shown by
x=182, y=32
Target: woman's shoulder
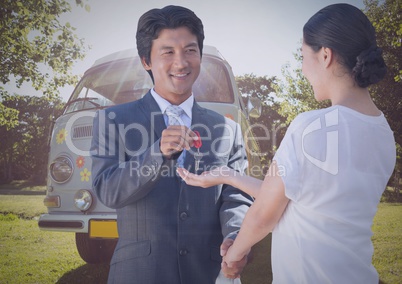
x=308, y=117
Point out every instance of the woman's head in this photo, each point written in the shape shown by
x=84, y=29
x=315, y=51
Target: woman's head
x=349, y=34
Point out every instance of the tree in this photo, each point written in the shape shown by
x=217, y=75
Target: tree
x=36, y=47
x=269, y=127
x=386, y=17
x=24, y=148
x=8, y=116
x=297, y=95
x=295, y=92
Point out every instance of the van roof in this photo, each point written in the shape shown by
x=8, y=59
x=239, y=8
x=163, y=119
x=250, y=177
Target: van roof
x=130, y=53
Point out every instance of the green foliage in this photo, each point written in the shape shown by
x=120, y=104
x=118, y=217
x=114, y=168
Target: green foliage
x=269, y=127
x=24, y=150
x=33, y=38
x=23, y=186
x=295, y=93
x=391, y=193
x=399, y=157
x=8, y=116
x=386, y=17
x=258, y=87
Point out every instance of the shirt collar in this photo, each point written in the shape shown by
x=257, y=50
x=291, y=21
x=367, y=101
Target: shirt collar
x=187, y=105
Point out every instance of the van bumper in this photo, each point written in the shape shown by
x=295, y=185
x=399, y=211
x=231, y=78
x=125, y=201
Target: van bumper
x=72, y=223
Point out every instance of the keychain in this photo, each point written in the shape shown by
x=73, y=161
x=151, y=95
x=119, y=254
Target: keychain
x=197, y=155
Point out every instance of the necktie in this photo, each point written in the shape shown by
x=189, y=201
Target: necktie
x=174, y=112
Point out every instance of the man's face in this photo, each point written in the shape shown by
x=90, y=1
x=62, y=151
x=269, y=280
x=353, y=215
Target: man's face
x=175, y=63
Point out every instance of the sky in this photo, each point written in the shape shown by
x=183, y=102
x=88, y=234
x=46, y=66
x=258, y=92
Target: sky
x=254, y=36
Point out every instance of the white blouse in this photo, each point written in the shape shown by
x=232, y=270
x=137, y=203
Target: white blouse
x=336, y=163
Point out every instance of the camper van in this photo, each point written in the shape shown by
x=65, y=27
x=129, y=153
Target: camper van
x=116, y=79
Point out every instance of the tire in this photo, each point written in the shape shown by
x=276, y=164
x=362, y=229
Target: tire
x=94, y=251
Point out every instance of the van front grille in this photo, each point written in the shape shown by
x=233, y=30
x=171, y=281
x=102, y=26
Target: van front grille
x=82, y=131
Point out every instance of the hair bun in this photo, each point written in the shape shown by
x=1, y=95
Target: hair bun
x=370, y=67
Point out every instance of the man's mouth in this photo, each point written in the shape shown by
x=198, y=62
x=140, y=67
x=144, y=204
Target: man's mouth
x=181, y=75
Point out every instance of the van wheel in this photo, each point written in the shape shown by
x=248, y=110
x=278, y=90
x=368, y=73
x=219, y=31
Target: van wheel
x=94, y=251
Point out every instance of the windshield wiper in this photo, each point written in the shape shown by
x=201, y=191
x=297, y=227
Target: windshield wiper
x=86, y=99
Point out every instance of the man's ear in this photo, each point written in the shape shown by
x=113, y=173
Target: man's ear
x=145, y=64
x=327, y=56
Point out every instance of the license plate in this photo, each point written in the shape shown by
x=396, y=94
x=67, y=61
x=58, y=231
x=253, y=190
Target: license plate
x=103, y=229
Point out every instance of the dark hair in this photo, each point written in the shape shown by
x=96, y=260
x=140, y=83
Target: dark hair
x=152, y=22
x=351, y=36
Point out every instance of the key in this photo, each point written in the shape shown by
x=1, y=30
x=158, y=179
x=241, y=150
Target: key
x=198, y=155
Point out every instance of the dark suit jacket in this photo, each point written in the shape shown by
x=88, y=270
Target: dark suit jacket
x=169, y=232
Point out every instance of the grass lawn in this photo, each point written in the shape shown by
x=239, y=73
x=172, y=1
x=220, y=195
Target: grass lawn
x=22, y=185
x=387, y=241
x=29, y=255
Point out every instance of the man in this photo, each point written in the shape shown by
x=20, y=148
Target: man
x=168, y=232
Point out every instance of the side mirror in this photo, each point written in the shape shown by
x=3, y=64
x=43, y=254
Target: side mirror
x=254, y=107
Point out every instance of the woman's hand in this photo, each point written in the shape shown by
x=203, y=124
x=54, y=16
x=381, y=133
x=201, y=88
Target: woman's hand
x=210, y=178
x=235, y=269
x=233, y=264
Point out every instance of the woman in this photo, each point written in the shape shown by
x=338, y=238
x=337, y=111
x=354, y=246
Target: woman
x=322, y=190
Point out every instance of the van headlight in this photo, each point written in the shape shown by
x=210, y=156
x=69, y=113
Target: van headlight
x=83, y=199
x=61, y=169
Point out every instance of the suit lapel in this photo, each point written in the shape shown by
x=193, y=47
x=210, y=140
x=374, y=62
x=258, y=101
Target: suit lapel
x=198, y=121
x=152, y=112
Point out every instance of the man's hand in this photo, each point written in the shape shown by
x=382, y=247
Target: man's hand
x=176, y=138
x=236, y=267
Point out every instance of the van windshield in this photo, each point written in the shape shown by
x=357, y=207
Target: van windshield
x=126, y=80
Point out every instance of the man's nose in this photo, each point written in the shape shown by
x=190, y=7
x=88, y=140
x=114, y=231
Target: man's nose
x=180, y=60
